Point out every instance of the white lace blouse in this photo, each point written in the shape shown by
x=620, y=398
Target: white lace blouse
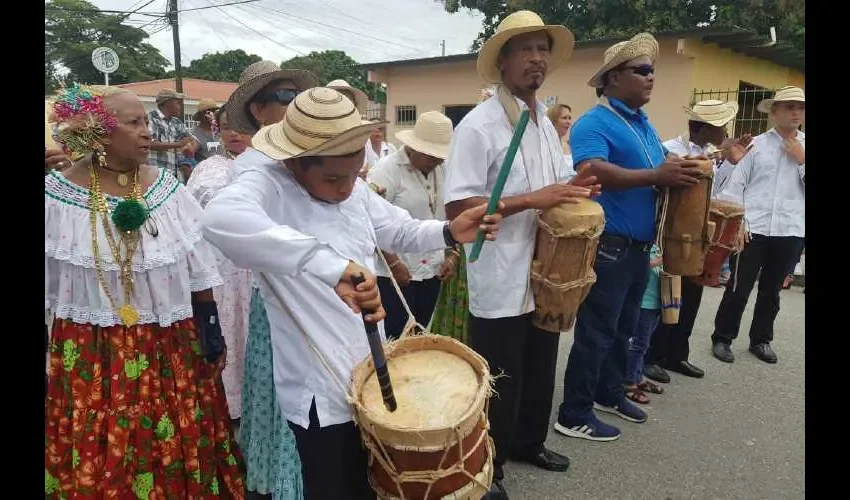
x=166, y=267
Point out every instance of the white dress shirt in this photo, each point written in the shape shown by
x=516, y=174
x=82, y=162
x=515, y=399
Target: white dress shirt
x=770, y=184
x=267, y=222
x=372, y=157
x=499, y=280
x=682, y=146
x=421, y=196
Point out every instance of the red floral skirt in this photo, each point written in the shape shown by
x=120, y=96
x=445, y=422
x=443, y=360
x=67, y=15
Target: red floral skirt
x=136, y=413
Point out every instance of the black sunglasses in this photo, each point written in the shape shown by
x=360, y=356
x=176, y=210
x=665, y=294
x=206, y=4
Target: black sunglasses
x=282, y=96
x=642, y=70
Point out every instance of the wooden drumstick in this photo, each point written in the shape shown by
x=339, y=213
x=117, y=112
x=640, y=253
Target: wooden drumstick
x=378, y=357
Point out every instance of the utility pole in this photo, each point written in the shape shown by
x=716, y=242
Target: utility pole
x=443, y=44
x=175, y=32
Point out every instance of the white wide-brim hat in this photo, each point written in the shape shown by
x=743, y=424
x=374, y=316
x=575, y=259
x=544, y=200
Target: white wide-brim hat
x=785, y=94
x=319, y=122
x=713, y=112
x=432, y=135
x=251, y=81
x=642, y=44
x=360, y=97
x=523, y=21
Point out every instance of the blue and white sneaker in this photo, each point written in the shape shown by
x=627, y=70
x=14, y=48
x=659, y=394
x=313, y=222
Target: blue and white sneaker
x=592, y=429
x=624, y=410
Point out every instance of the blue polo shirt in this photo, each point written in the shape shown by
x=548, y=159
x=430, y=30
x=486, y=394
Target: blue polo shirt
x=599, y=134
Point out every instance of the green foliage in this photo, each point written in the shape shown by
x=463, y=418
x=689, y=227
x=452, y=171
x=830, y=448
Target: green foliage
x=333, y=64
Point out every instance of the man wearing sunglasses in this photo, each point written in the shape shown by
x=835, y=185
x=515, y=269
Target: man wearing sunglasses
x=615, y=142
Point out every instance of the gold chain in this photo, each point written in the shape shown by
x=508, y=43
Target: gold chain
x=129, y=240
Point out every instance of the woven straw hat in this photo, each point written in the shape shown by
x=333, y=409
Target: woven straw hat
x=205, y=105
x=713, y=112
x=523, y=21
x=251, y=81
x=642, y=44
x=319, y=122
x=431, y=135
x=360, y=97
x=784, y=94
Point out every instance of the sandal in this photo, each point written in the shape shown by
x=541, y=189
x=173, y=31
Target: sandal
x=650, y=387
x=636, y=395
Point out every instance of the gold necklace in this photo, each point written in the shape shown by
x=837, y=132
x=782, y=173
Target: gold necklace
x=129, y=240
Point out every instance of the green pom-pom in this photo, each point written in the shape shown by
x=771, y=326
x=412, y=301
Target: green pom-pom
x=129, y=215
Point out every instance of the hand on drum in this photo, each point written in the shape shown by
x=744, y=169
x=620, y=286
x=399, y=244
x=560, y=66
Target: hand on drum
x=584, y=179
x=677, y=172
x=365, y=296
x=555, y=194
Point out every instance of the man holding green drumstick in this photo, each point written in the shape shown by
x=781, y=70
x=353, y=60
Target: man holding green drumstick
x=517, y=58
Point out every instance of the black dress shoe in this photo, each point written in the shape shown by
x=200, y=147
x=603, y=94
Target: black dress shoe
x=545, y=459
x=764, y=352
x=687, y=369
x=496, y=492
x=656, y=373
x=723, y=352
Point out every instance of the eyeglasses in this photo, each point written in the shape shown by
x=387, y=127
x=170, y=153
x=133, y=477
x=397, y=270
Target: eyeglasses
x=282, y=96
x=642, y=70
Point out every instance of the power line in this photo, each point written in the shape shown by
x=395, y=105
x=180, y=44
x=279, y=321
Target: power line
x=99, y=11
x=137, y=9
x=215, y=32
x=220, y=5
x=286, y=14
x=257, y=32
x=330, y=37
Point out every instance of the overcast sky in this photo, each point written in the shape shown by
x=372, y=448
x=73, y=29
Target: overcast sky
x=367, y=30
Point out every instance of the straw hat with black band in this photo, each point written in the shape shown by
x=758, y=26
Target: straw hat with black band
x=785, y=94
x=713, y=112
x=360, y=97
x=251, y=81
x=642, y=44
x=319, y=122
x=517, y=23
x=431, y=135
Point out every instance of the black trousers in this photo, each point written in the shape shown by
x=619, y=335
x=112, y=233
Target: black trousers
x=333, y=461
x=525, y=356
x=772, y=256
x=421, y=296
x=671, y=343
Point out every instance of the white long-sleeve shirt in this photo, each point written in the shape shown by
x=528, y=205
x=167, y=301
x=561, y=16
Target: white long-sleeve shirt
x=499, y=280
x=771, y=186
x=267, y=222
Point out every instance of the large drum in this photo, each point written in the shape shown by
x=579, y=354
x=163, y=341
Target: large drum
x=684, y=225
x=562, y=269
x=435, y=445
x=727, y=218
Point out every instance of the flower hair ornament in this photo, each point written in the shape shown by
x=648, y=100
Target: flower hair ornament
x=83, y=120
x=213, y=122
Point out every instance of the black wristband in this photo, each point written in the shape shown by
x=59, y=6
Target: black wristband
x=450, y=240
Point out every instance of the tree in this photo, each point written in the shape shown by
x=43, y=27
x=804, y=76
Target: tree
x=74, y=28
x=593, y=19
x=221, y=66
x=333, y=64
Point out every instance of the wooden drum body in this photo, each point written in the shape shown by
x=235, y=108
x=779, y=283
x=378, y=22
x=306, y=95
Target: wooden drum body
x=562, y=269
x=436, y=444
x=727, y=218
x=671, y=298
x=684, y=225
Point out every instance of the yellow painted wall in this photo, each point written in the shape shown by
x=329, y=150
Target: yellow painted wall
x=721, y=69
x=431, y=87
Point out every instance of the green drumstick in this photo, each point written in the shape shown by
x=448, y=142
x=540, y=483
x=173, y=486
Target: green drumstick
x=496, y=195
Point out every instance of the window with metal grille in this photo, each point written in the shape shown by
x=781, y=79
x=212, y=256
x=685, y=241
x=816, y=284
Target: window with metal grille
x=189, y=121
x=749, y=120
x=405, y=115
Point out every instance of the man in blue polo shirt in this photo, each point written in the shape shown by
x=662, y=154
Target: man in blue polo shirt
x=615, y=142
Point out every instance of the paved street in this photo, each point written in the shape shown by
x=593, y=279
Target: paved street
x=736, y=434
